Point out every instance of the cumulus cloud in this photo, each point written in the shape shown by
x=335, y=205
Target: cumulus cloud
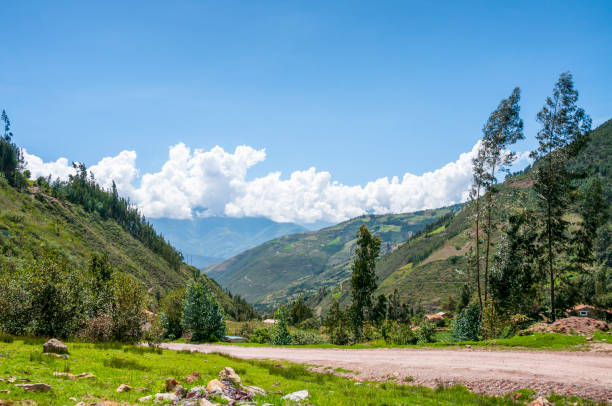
x=213, y=183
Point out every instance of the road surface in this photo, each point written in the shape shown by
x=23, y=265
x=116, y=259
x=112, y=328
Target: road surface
x=586, y=374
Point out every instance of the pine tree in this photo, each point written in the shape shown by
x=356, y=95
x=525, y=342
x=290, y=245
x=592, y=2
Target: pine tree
x=564, y=130
x=336, y=324
x=363, y=281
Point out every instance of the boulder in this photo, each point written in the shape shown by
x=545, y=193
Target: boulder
x=146, y=399
x=228, y=374
x=297, y=396
x=171, y=384
x=197, y=392
x=215, y=387
x=123, y=388
x=35, y=387
x=541, y=401
x=55, y=346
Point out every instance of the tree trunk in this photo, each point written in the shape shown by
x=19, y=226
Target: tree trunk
x=478, y=250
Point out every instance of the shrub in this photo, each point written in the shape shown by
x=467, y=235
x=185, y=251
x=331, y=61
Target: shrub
x=128, y=308
x=302, y=337
x=201, y=313
x=336, y=324
x=426, y=333
x=310, y=324
x=398, y=333
x=260, y=336
x=98, y=329
x=467, y=324
x=246, y=330
x=171, y=309
x=280, y=331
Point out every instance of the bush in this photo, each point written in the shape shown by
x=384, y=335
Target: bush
x=310, y=324
x=246, y=329
x=280, y=331
x=302, y=337
x=171, y=309
x=98, y=329
x=201, y=313
x=467, y=324
x=260, y=336
x=128, y=308
x=398, y=333
x=426, y=333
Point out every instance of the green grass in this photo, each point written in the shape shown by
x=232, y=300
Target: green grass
x=115, y=364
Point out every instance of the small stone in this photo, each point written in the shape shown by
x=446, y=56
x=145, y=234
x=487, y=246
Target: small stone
x=196, y=392
x=64, y=375
x=589, y=338
x=5, y=391
x=255, y=390
x=468, y=346
x=191, y=378
x=297, y=396
x=81, y=404
x=142, y=388
x=50, y=354
x=55, y=346
x=180, y=391
x=205, y=402
x=228, y=374
x=541, y=401
x=35, y=387
x=146, y=399
x=215, y=386
x=163, y=397
x=85, y=375
x=123, y=388
x=73, y=399
x=246, y=403
x=171, y=384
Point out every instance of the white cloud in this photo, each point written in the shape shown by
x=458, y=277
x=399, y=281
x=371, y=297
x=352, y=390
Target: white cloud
x=209, y=183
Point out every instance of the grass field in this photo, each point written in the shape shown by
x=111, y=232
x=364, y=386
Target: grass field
x=140, y=367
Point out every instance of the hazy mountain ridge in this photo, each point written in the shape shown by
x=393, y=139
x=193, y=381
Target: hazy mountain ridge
x=279, y=269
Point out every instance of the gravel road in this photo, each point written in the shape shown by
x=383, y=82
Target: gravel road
x=585, y=374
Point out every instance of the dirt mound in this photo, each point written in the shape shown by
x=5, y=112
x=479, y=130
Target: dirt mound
x=571, y=325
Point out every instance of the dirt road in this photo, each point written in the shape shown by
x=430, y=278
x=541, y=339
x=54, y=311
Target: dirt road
x=585, y=374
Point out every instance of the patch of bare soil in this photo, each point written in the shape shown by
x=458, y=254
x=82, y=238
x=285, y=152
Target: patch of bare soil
x=585, y=374
x=572, y=325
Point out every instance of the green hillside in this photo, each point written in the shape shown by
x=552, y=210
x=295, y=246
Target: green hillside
x=32, y=221
x=280, y=269
x=432, y=266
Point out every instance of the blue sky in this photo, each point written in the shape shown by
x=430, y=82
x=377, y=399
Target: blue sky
x=362, y=90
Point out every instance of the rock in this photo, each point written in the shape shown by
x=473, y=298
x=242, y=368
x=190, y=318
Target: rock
x=196, y=392
x=246, y=403
x=142, y=388
x=205, y=402
x=171, y=384
x=81, y=404
x=85, y=375
x=180, y=391
x=468, y=346
x=123, y=388
x=541, y=401
x=297, y=396
x=146, y=399
x=72, y=399
x=165, y=397
x=589, y=338
x=191, y=378
x=228, y=374
x=254, y=390
x=35, y=387
x=55, y=346
x=215, y=386
x=5, y=391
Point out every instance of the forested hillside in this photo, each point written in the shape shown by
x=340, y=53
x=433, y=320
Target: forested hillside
x=280, y=269
x=433, y=267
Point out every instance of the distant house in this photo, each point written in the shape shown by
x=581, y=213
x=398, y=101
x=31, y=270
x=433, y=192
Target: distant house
x=593, y=312
x=438, y=316
x=269, y=321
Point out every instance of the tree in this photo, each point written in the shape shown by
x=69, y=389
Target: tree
x=336, y=324
x=11, y=158
x=503, y=129
x=564, y=130
x=128, y=310
x=478, y=183
x=202, y=315
x=299, y=311
x=363, y=281
x=379, y=311
x=280, y=331
x=594, y=213
x=467, y=324
x=171, y=309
